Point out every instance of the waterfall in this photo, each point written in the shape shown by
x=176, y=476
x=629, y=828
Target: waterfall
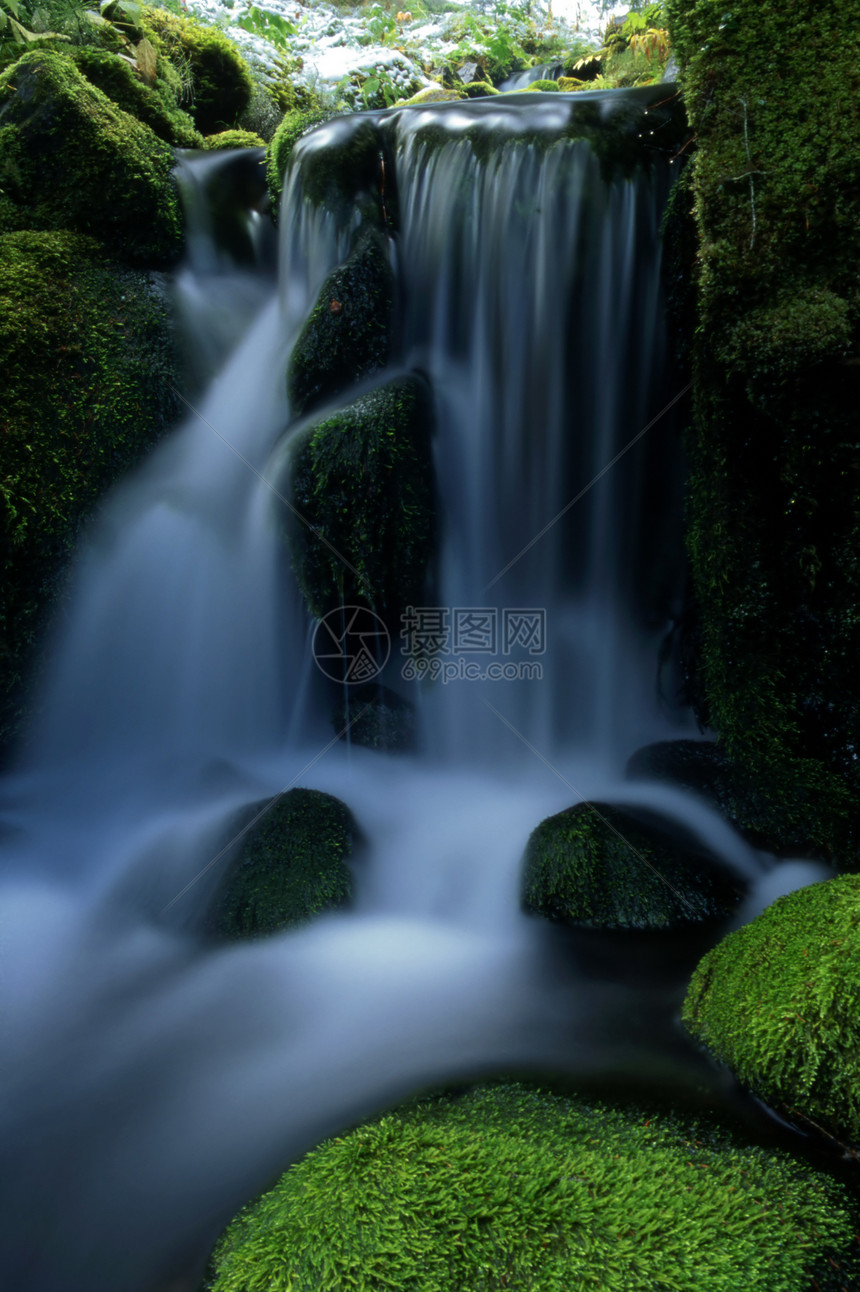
x=151, y=1083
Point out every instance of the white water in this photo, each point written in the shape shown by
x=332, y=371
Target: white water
x=152, y=1084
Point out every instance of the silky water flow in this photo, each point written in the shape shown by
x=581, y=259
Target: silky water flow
x=153, y=1083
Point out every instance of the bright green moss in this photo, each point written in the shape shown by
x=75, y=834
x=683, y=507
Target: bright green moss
x=362, y=479
x=222, y=83
x=479, y=90
x=347, y=336
x=510, y=1187
x=598, y=866
x=774, y=511
x=538, y=86
x=435, y=94
x=294, y=125
x=291, y=868
x=234, y=139
x=155, y=105
x=75, y=160
x=779, y=1002
x=88, y=367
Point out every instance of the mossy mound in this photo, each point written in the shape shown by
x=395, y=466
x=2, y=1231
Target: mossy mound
x=376, y=717
x=569, y=84
x=511, y=1187
x=155, y=103
x=221, y=78
x=479, y=90
x=434, y=94
x=234, y=139
x=538, y=87
x=347, y=336
x=75, y=160
x=292, y=867
x=294, y=124
x=774, y=510
x=598, y=866
x=88, y=371
x=362, y=480
x=779, y=1002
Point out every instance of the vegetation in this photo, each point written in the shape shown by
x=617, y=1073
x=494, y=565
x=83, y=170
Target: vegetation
x=222, y=82
x=774, y=520
x=72, y=160
x=600, y=866
x=291, y=868
x=511, y=1187
x=88, y=373
x=778, y=1002
x=362, y=480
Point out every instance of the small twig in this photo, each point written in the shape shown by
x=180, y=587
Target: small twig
x=749, y=173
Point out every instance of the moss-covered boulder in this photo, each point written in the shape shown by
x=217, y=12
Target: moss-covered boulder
x=511, y=1187
x=221, y=79
x=74, y=160
x=291, y=868
x=347, y=336
x=479, y=89
x=361, y=483
x=434, y=94
x=779, y=1002
x=539, y=87
x=599, y=866
x=346, y=169
x=234, y=139
x=376, y=717
x=295, y=123
x=774, y=509
x=88, y=376
x=154, y=102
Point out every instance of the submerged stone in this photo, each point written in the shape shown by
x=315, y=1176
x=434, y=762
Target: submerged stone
x=291, y=867
x=347, y=336
x=295, y=123
x=77, y=161
x=778, y=1001
x=511, y=1187
x=599, y=866
x=376, y=717
x=361, y=479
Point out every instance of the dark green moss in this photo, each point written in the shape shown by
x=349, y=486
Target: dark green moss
x=345, y=169
x=88, y=367
x=234, y=139
x=347, y=336
x=511, y=1187
x=362, y=479
x=295, y=123
x=779, y=1002
x=774, y=509
x=77, y=161
x=221, y=78
x=599, y=866
x=292, y=866
x=154, y=104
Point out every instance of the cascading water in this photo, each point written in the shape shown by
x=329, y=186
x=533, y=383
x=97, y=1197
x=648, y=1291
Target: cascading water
x=152, y=1084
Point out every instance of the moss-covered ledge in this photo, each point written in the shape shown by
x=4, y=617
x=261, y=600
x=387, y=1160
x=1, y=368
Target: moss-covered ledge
x=774, y=519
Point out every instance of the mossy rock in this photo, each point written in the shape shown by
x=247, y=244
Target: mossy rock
x=599, y=866
x=294, y=124
x=512, y=1187
x=347, y=336
x=77, y=161
x=361, y=479
x=222, y=81
x=291, y=868
x=479, y=90
x=778, y=1001
x=773, y=503
x=234, y=139
x=155, y=104
x=347, y=170
x=539, y=87
x=89, y=372
x=376, y=718
x=569, y=84
x=435, y=94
